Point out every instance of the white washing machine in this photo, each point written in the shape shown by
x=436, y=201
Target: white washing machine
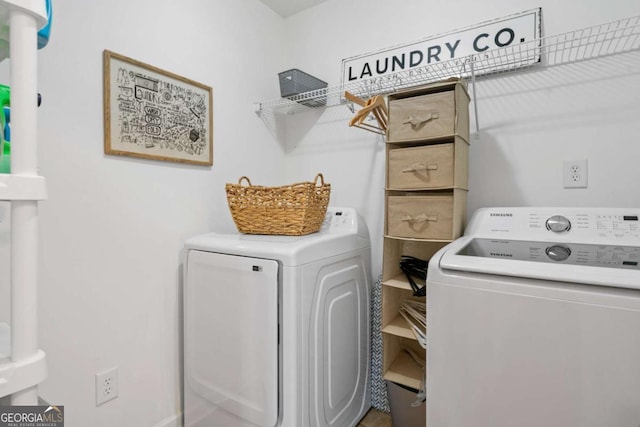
x=276, y=328
x=533, y=319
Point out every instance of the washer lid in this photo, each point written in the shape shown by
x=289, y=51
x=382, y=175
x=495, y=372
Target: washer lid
x=342, y=231
x=604, y=265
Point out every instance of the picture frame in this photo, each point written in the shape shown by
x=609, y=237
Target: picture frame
x=151, y=113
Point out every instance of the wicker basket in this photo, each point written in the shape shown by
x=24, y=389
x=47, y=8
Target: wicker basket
x=292, y=210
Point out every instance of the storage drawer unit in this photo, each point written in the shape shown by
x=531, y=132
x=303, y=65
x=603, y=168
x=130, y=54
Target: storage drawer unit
x=425, y=205
x=429, y=166
x=438, y=111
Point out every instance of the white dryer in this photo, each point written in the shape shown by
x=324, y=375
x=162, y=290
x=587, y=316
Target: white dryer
x=533, y=319
x=276, y=328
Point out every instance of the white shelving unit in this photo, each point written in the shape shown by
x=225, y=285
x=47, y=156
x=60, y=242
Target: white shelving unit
x=22, y=363
x=587, y=43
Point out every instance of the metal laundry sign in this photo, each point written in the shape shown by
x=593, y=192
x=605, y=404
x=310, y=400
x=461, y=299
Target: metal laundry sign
x=445, y=48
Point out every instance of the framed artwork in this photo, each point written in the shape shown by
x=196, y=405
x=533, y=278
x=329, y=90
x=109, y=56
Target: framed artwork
x=154, y=114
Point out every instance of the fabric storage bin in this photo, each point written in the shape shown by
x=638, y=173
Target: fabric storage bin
x=439, y=113
x=403, y=413
x=429, y=166
x=435, y=216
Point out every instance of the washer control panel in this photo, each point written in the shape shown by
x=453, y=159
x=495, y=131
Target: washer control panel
x=577, y=225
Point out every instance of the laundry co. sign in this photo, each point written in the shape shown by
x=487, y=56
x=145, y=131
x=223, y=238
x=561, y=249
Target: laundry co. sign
x=520, y=28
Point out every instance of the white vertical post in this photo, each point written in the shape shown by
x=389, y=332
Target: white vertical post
x=475, y=98
x=24, y=214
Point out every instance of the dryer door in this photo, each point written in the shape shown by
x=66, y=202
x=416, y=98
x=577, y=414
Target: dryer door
x=338, y=343
x=231, y=341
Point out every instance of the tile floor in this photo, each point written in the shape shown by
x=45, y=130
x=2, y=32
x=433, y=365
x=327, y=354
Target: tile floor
x=375, y=418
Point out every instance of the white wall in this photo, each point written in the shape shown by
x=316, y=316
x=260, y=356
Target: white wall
x=529, y=123
x=113, y=228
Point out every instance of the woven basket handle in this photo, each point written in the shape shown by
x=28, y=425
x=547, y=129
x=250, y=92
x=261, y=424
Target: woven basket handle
x=321, y=180
x=244, y=178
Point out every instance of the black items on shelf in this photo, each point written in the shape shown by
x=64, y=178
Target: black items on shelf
x=414, y=267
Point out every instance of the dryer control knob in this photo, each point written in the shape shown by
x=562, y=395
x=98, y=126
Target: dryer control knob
x=558, y=224
x=558, y=252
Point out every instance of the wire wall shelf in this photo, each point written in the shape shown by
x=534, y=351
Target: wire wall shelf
x=588, y=43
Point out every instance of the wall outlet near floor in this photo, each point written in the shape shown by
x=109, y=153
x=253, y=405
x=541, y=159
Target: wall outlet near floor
x=574, y=173
x=106, y=386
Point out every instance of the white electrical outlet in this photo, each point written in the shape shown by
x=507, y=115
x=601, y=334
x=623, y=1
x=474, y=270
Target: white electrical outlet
x=106, y=386
x=574, y=173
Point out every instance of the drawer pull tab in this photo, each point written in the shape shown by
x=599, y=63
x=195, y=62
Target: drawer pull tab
x=417, y=121
x=420, y=167
x=420, y=218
